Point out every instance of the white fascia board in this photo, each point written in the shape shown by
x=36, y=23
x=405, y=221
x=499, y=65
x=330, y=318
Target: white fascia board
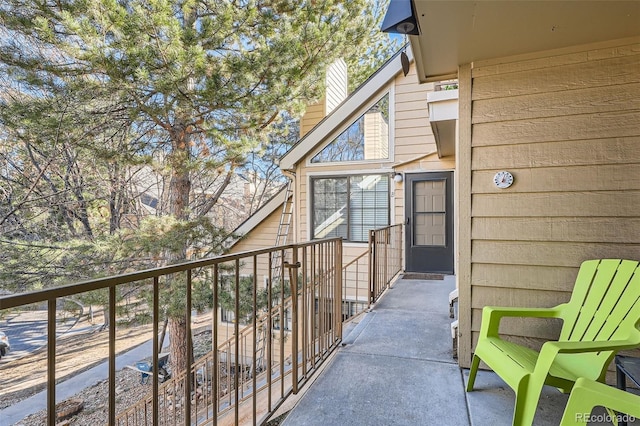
x=343, y=112
x=417, y=54
x=262, y=213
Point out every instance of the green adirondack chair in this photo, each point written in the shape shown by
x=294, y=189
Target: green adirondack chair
x=587, y=394
x=601, y=319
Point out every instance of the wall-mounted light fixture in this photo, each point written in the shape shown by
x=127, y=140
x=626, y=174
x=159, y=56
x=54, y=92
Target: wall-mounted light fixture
x=397, y=177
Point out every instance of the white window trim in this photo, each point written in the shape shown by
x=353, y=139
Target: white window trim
x=334, y=173
x=389, y=89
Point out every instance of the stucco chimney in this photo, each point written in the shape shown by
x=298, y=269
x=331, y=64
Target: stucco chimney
x=335, y=93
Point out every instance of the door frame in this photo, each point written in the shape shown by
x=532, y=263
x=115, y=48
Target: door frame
x=448, y=250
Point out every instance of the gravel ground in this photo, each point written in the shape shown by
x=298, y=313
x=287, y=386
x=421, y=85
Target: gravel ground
x=27, y=375
x=95, y=399
x=129, y=390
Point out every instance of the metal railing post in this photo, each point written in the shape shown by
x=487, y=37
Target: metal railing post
x=112, y=354
x=51, y=361
x=293, y=276
x=387, y=232
x=214, y=347
x=188, y=382
x=236, y=332
x=372, y=269
x=156, y=301
x=338, y=287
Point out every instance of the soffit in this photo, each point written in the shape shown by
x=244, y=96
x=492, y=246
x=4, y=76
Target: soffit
x=460, y=32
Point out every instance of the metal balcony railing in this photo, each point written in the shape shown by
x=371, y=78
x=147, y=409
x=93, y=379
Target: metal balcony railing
x=243, y=380
x=282, y=342
x=355, y=286
x=368, y=275
x=385, y=258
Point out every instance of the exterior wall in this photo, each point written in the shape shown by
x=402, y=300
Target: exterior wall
x=413, y=137
x=376, y=133
x=312, y=116
x=413, y=149
x=415, y=146
x=263, y=235
x=335, y=92
x=565, y=123
x=260, y=237
x=336, y=84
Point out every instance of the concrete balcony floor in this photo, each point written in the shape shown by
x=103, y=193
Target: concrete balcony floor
x=396, y=368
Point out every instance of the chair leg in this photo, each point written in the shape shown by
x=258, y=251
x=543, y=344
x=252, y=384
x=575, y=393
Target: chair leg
x=472, y=372
x=527, y=399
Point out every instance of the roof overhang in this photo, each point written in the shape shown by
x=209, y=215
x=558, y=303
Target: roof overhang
x=260, y=215
x=343, y=112
x=460, y=32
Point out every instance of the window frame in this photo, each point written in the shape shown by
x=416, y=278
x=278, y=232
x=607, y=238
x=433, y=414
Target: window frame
x=388, y=90
x=311, y=192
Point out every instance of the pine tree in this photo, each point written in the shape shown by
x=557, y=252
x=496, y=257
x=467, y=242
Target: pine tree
x=199, y=81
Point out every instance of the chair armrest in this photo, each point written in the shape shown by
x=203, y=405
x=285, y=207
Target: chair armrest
x=587, y=394
x=595, y=346
x=550, y=350
x=491, y=316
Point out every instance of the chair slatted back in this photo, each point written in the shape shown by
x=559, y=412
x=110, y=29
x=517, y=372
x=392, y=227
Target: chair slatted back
x=605, y=303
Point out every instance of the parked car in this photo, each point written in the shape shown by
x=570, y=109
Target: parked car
x=4, y=344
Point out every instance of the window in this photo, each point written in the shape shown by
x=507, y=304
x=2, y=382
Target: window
x=349, y=206
x=287, y=320
x=226, y=315
x=365, y=139
x=351, y=308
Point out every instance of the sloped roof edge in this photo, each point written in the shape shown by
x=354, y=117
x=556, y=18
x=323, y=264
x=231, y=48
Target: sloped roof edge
x=261, y=214
x=342, y=112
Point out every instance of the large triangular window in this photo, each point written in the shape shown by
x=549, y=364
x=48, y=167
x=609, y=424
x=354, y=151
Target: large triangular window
x=365, y=139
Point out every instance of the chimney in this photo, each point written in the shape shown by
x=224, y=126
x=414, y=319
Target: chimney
x=335, y=93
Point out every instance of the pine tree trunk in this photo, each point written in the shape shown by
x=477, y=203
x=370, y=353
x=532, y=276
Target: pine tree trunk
x=178, y=344
x=179, y=193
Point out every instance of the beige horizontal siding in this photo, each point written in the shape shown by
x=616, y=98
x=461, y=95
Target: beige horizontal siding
x=260, y=237
x=411, y=132
x=558, y=204
x=408, y=117
x=591, y=73
x=555, y=229
x=601, y=177
x=586, y=101
x=546, y=253
x=407, y=152
x=558, y=57
x=588, y=126
x=406, y=105
x=567, y=125
x=312, y=116
x=559, y=153
x=413, y=135
x=533, y=277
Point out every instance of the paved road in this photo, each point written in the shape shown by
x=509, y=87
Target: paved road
x=27, y=331
x=72, y=386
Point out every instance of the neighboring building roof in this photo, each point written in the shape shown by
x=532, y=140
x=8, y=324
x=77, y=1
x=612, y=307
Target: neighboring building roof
x=343, y=112
x=261, y=214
